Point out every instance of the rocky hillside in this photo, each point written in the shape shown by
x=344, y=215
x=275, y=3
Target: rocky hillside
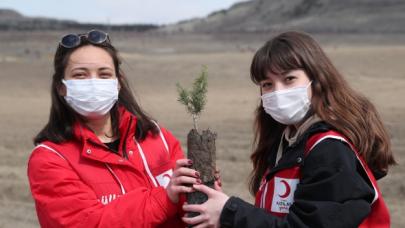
x=12, y=20
x=316, y=16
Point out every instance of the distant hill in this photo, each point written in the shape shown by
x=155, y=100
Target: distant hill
x=316, y=16
x=12, y=20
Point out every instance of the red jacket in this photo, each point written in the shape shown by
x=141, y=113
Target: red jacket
x=80, y=183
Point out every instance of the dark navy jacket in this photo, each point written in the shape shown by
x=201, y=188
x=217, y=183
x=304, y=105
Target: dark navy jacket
x=333, y=190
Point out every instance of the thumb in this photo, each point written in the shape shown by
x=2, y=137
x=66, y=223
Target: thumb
x=204, y=189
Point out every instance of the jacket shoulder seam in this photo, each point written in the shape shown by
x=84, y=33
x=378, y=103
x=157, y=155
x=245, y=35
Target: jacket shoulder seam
x=50, y=149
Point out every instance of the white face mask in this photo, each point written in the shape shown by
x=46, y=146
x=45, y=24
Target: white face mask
x=91, y=98
x=288, y=106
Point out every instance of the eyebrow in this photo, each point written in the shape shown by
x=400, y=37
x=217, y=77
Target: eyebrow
x=86, y=69
x=79, y=68
x=106, y=68
x=284, y=73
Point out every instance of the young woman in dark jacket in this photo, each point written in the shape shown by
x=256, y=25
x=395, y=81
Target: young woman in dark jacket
x=320, y=146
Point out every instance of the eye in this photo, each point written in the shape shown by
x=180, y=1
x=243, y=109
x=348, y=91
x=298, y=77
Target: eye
x=79, y=75
x=290, y=78
x=106, y=74
x=266, y=85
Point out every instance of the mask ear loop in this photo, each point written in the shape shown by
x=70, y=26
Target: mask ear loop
x=119, y=83
x=309, y=86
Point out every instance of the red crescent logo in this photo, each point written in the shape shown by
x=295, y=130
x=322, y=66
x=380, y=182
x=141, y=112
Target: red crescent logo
x=287, y=189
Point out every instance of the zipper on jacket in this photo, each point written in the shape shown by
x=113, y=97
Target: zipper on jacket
x=116, y=178
x=285, y=163
x=124, y=144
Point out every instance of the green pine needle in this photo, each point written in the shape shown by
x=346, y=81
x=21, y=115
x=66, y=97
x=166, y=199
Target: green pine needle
x=195, y=99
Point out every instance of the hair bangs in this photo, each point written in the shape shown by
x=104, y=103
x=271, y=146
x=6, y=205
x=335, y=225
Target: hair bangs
x=276, y=58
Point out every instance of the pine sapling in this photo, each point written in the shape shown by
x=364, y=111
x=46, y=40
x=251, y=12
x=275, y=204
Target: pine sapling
x=200, y=146
x=195, y=99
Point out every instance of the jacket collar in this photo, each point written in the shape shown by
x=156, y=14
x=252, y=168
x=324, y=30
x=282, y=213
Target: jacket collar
x=87, y=138
x=291, y=135
x=294, y=154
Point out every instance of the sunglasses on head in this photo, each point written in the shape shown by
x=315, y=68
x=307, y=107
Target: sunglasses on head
x=74, y=40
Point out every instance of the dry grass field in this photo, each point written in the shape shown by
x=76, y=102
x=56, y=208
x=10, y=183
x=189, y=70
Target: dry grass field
x=153, y=64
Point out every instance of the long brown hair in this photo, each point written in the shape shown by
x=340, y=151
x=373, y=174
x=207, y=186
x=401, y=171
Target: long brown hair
x=333, y=100
x=62, y=117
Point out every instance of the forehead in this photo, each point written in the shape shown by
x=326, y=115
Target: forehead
x=279, y=75
x=90, y=56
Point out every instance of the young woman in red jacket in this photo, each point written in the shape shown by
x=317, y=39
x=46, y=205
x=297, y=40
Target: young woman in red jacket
x=100, y=161
x=320, y=148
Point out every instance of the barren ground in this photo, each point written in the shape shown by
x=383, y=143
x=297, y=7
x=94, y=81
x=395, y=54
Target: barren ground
x=153, y=64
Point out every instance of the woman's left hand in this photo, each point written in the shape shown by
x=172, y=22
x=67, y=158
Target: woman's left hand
x=210, y=211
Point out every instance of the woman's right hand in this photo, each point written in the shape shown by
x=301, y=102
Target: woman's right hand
x=182, y=180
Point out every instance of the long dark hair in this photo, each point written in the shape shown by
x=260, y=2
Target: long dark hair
x=62, y=117
x=333, y=100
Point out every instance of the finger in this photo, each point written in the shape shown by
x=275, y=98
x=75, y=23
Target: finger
x=182, y=189
x=205, y=189
x=194, y=220
x=218, y=186
x=183, y=171
x=181, y=180
x=193, y=208
x=202, y=225
x=183, y=162
x=217, y=174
